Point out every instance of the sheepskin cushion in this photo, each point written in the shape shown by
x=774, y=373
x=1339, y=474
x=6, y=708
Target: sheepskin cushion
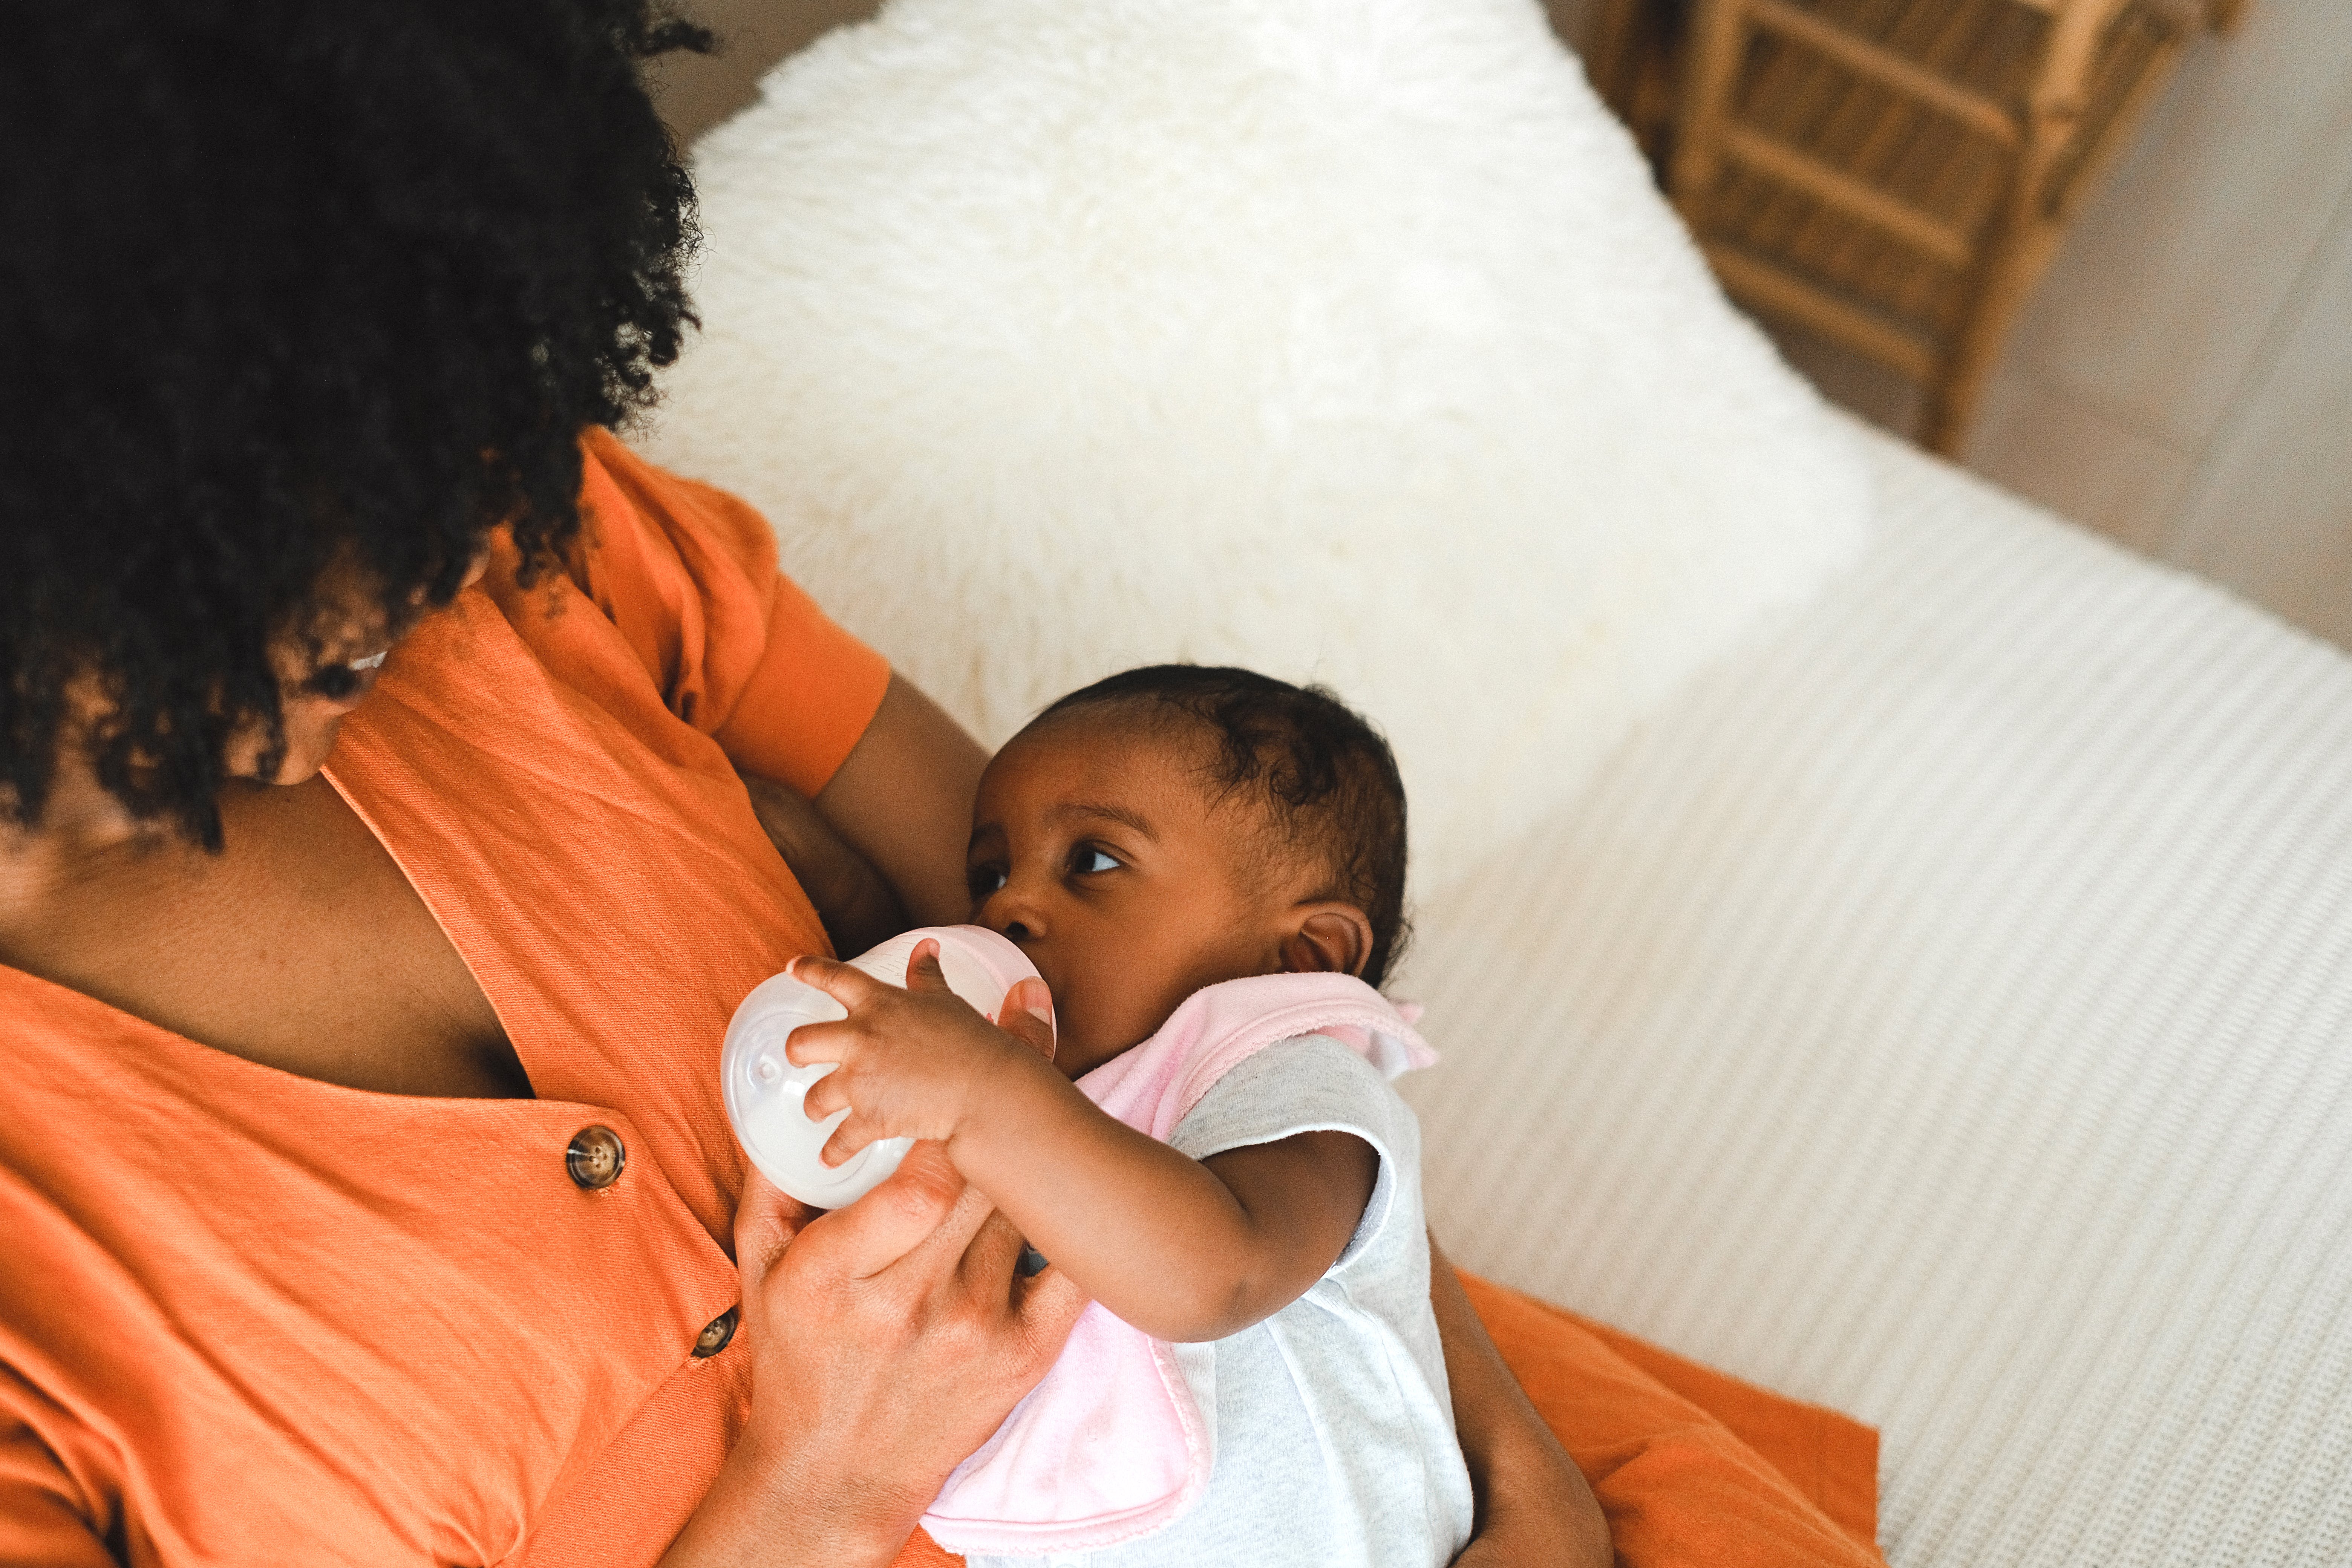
x=1343, y=339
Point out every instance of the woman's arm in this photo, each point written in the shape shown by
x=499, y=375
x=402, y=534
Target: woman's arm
x=882, y=845
x=1533, y=1503
x=902, y=800
x=889, y=1338
x=857, y=907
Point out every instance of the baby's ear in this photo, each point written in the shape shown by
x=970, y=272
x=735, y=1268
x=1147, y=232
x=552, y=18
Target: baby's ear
x=1328, y=939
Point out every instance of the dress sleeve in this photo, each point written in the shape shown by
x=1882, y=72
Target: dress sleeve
x=692, y=603
x=44, y=1515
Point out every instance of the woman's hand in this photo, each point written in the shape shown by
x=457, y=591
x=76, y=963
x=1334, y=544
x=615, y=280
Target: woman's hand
x=914, y=1063
x=889, y=1338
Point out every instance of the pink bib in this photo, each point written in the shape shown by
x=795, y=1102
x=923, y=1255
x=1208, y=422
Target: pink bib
x=1112, y=1444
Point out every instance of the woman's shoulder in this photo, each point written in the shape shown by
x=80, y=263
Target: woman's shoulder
x=669, y=611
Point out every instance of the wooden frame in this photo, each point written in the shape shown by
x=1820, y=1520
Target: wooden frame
x=1893, y=175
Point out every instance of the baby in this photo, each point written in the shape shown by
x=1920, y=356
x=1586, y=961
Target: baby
x=1207, y=869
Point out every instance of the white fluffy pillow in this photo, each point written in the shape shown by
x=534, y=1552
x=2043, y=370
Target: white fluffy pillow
x=1343, y=339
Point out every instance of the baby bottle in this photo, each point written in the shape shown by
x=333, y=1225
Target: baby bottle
x=765, y=1093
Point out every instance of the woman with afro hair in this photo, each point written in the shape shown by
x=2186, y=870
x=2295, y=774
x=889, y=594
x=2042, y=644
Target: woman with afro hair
x=398, y=788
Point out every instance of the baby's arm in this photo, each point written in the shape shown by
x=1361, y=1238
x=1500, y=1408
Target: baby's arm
x=1183, y=1250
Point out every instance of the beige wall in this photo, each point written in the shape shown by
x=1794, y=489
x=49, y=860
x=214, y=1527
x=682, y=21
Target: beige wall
x=2182, y=380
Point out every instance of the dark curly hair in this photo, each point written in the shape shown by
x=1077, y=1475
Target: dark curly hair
x=291, y=286
x=1326, y=779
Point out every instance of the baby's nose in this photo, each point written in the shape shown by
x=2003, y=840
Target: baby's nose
x=1007, y=915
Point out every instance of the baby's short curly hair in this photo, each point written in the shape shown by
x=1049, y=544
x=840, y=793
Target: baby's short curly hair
x=293, y=289
x=1324, y=778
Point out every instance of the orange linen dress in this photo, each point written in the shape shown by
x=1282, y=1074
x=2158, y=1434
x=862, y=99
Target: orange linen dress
x=250, y=1318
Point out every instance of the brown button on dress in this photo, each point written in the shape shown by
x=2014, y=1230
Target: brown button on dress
x=596, y=1158
x=714, y=1338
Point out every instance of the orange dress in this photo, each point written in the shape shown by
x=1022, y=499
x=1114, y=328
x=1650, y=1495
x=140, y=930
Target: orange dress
x=246, y=1317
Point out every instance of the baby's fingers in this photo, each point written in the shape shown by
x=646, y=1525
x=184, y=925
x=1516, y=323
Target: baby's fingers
x=825, y=1096
x=853, y=988
x=923, y=971
x=813, y=1045
x=847, y=1139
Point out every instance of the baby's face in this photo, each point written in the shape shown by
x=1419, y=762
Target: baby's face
x=1097, y=847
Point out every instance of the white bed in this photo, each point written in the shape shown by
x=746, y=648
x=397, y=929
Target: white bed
x=1945, y=1014
x=1940, y=1005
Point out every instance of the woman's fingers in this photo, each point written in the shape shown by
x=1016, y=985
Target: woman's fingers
x=765, y=1223
x=991, y=1252
x=942, y=1251
x=1047, y=1307
x=1040, y=1308
x=896, y=1219
x=1028, y=1015
x=983, y=1249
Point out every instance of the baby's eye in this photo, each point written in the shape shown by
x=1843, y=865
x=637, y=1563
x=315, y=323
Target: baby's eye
x=984, y=879
x=1086, y=860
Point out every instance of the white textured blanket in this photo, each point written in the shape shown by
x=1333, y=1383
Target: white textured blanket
x=1947, y=1015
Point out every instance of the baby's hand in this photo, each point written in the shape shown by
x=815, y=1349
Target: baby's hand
x=915, y=1063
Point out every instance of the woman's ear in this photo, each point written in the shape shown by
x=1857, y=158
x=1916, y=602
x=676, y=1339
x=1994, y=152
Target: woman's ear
x=1328, y=939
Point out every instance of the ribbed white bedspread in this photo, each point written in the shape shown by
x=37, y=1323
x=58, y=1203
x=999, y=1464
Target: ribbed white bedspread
x=1945, y=1012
